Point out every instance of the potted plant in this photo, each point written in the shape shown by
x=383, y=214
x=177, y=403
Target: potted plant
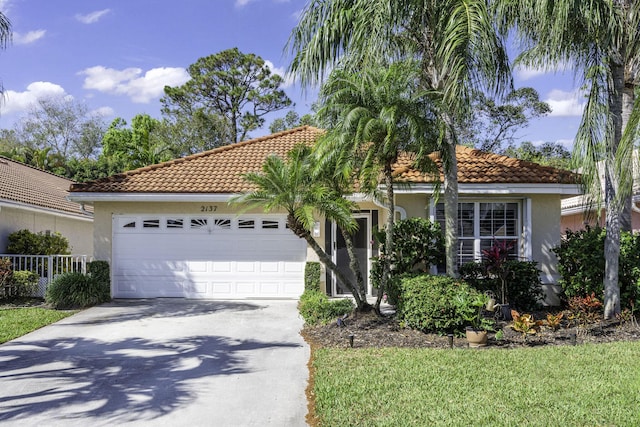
x=471, y=309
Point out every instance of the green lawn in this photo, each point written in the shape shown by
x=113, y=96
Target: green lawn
x=586, y=385
x=15, y=322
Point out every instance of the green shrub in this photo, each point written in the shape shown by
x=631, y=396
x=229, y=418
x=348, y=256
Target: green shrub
x=99, y=271
x=25, y=283
x=312, y=272
x=316, y=308
x=418, y=244
x=524, y=288
x=434, y=303
x=581, y=264
x=76, y=290
x=24, y=242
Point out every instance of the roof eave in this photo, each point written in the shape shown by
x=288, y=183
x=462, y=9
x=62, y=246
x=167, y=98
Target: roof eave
x=38, y=209
x=496, y=189
x=92, y=197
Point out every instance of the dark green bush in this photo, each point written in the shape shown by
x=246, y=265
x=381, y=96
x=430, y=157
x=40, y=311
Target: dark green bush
x=312, y=272
x=523, y=284
x=581, y=264
x=432, y=303
x=24, y=242
x=418, y=244
x=76, y=290
x=99, y=271
x=316, y=308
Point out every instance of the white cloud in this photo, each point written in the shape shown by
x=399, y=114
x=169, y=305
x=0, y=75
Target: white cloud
x=104, y=112
x=28, y=38
x=22, y=101
x=5, y=5
x=140, y=88
x=288, y=78
x=242, y=3
x=565, y=104
x=526, y=73
x=93, y=17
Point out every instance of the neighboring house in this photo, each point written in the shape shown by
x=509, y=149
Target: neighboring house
x=37, y=201
x=577, y=212
x=167, y=229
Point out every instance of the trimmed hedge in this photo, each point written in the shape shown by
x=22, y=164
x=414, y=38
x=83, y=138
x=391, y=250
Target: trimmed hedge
x=312, y=272
x=435, y=303
x=316, y=308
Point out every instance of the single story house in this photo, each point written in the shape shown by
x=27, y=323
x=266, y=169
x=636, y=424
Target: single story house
x=168, y=231
x=36, y=200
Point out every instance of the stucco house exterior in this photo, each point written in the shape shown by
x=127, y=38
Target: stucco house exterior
x=577, y=212
x=168, y=229
x=37, y=201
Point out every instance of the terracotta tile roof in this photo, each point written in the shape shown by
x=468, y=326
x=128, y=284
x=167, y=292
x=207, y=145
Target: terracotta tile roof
x=24, y=184
x=220, y=170
x=479, y=167
x=215, y=171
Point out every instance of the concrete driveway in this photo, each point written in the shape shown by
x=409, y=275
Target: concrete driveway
x=160, y=362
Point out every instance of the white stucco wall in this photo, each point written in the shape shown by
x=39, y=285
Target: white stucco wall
x=79, y=231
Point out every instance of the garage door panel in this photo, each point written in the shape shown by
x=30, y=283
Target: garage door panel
x=206, y=263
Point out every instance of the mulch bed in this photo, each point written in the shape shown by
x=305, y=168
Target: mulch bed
x=371, y=330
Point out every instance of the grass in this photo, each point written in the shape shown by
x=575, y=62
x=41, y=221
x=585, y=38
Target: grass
x=15, y=322
x=587, y=385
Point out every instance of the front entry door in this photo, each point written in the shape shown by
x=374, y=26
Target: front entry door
x=362, y=246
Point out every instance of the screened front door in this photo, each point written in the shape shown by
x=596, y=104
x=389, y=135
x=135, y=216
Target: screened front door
x=362, y=248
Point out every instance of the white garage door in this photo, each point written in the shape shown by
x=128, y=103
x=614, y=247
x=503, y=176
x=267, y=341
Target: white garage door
x=206, y=256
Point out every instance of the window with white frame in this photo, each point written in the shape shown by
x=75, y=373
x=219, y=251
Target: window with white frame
x=483, y=224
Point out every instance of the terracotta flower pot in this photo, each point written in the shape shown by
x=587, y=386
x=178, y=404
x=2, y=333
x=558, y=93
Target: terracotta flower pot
x=476, y=338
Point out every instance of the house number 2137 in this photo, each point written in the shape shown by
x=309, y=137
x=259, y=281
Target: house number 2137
x=208, y=208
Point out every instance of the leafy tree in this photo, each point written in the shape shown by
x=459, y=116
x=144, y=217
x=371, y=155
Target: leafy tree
x=82, y=170
x=454, y=41
x=372, y=116
x=289, y=185
x=235, y=86
x=494, y=124
x=64, y=125
x=548, y=154
x=290, y=121
x=136, y=146
x=600, y=40
x=191, y=134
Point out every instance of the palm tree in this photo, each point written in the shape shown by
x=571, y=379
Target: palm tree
x=600, y=40
x=290, y=186
x=372, y=116
x=453, y=40
x=5, y=35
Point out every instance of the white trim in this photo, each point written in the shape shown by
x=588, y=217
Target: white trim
x=493, y=189
x=150, y=197
x=527, y=229
x=48, y=211
x=402, y=211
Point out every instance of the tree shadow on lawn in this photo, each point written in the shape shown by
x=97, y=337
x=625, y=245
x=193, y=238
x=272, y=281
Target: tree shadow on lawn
x=125, y=310
x=129, y=380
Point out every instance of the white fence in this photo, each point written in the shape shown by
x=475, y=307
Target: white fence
x=47, y=267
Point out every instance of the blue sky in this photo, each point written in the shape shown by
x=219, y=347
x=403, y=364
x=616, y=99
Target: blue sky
x=116, y=56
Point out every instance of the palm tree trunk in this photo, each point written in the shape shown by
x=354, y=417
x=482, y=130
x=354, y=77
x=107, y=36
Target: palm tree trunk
x=324, y=258
x=450, y=170
x=611, y=199
x=388, y=244
x=359, y=291
x=628, y=98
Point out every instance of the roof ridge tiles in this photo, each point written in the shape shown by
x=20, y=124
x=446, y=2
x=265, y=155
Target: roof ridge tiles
x=8, y=161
